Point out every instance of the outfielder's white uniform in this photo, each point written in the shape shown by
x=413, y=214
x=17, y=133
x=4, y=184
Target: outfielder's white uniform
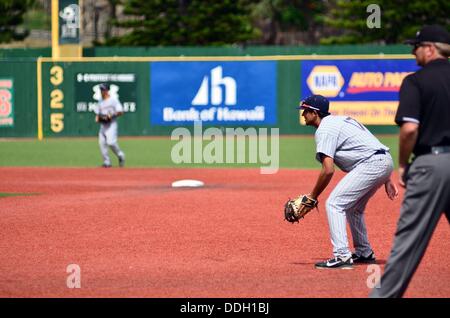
x=353, y=149
x=107, y=135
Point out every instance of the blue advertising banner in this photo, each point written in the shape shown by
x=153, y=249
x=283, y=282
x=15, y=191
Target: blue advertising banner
x=366, y=90
x=213, y=92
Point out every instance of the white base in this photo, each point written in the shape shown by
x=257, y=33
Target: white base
x=187, y=184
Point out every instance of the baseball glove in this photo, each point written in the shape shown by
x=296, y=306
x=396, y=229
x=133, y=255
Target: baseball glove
x=104, y=119
x=294, y=210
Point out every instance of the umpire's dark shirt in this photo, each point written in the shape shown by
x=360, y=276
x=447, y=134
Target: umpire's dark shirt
x=425, y=100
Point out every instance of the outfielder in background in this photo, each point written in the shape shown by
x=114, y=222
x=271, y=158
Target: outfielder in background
x=109, y=108
x=345, y=142
x=423, y=115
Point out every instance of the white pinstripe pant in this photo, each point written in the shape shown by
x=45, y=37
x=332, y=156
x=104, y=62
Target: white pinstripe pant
x=348, y=201
x=107, y=137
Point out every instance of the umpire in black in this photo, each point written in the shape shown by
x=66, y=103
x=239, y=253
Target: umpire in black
x=424, y=119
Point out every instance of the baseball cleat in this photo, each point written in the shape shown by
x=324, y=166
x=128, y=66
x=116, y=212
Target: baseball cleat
x=336, y=263
x=121, y=161
x=364, y=260
x=105, y=166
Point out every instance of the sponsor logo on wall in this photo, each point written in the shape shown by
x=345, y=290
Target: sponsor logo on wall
x=121, y=86
x=6, y=102
x=69, y=21
x=366, y=90
x=212, y=92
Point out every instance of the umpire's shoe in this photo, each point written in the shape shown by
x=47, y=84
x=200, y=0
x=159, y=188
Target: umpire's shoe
x=336, y=263
x=359, y=259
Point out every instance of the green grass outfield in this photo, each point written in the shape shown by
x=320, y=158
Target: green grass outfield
x=295, y=152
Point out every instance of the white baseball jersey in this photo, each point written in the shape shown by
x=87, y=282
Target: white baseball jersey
x=346, y=141
x=110, y=106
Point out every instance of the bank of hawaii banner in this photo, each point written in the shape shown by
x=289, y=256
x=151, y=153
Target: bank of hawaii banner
x=217, y=93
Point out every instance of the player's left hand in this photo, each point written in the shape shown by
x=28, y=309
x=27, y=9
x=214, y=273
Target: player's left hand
x=391, y=189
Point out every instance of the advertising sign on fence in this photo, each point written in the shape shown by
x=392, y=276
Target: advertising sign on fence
x=69, y=22
x=366, y=90
x=213, y=92
x=6, y=102
x=122, y=86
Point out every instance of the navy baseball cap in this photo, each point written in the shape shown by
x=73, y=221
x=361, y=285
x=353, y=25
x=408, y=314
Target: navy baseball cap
x=104, y=87
x=430, y=33
x=317, y=103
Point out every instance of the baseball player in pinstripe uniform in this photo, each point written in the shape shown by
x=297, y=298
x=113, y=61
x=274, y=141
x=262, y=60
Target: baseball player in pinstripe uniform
x=345, y=142
x=108, y=110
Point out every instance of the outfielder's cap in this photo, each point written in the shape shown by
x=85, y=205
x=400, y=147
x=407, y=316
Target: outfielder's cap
x=317, y=103
x=104, y=87
x=430, y=33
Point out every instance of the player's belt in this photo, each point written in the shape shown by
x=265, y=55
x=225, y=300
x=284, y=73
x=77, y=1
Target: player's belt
x=380, y=152
x=440, y=149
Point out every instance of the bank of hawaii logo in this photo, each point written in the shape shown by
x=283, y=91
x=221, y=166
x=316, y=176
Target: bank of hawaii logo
x=211, y=91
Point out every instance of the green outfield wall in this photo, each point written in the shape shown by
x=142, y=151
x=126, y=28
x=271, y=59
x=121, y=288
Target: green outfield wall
x=51, y=98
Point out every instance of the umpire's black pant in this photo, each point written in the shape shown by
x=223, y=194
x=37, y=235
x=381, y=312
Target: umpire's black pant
x=426, y=198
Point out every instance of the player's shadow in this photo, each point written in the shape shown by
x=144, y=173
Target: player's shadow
x=314, y=261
